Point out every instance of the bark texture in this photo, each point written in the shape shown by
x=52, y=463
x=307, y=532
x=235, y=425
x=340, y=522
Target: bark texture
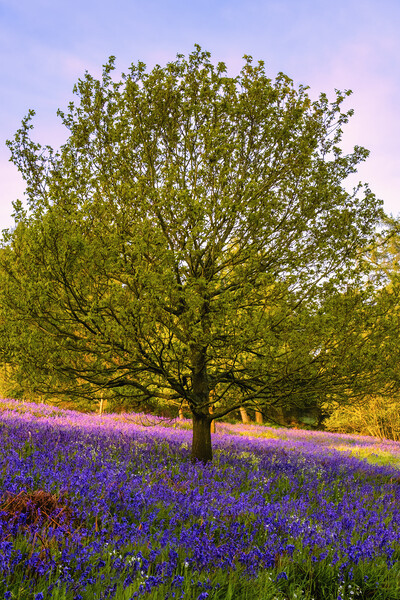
x=201, y=445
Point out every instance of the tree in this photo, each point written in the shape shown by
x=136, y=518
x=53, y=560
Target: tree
x=183, y=241
x=378, y=414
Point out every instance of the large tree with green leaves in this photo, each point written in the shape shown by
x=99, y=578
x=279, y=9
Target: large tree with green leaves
x=184, y=241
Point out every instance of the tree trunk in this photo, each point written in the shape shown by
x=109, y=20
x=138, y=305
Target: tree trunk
x=259, y=417
x=211, y=411
x=201, y=444
x=244, y=415
x=180, y=414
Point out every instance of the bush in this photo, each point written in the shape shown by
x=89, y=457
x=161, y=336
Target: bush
x=378, y=416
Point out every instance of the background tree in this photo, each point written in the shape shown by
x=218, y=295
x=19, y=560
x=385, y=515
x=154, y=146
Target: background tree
x=378, y=414
x=184, y=240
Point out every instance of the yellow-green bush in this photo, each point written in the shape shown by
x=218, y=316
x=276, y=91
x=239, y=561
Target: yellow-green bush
x=377, y=415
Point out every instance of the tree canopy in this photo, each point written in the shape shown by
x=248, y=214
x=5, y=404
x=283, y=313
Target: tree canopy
x=192, y=241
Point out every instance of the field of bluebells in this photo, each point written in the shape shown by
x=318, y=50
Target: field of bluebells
x=278, y=515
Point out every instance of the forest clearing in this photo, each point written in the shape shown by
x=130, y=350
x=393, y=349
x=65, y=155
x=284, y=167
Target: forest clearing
x=112, y=506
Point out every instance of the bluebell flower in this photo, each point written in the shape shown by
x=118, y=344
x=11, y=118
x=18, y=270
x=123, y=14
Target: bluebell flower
x=130, y=490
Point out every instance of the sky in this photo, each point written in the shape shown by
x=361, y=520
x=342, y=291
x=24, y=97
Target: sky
x=47, y=45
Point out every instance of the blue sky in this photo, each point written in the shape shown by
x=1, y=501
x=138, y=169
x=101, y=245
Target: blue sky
x=46, y=45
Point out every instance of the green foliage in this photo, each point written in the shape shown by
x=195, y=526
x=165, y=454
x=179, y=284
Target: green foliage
x=377, y=416
x=192, y=235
